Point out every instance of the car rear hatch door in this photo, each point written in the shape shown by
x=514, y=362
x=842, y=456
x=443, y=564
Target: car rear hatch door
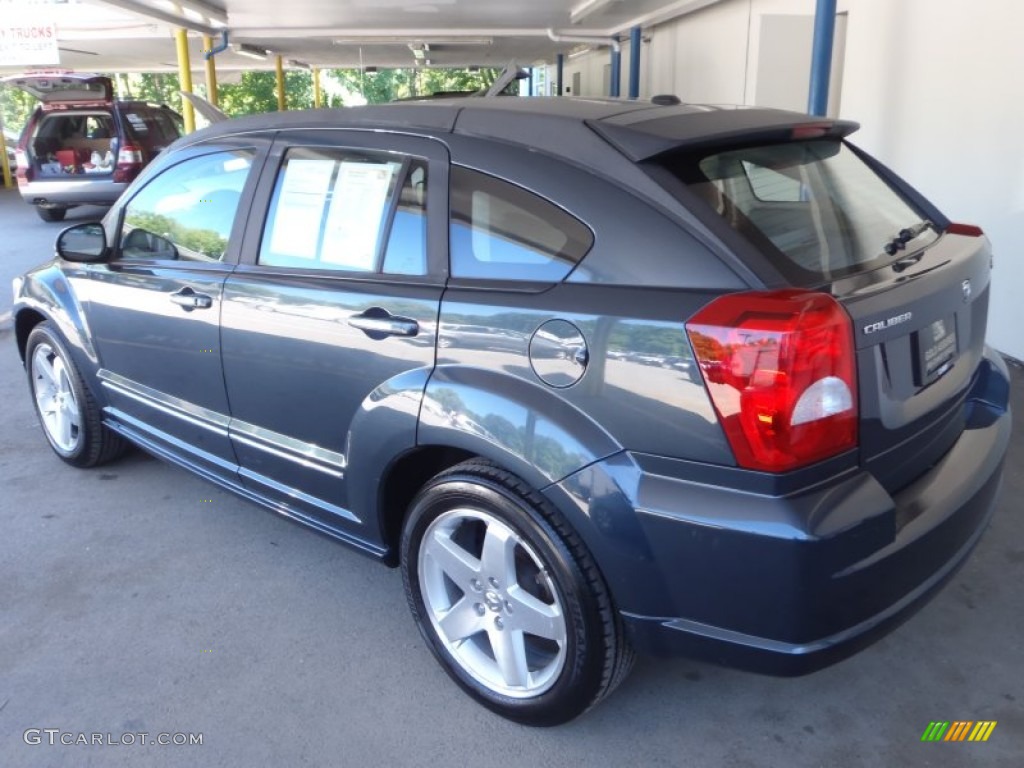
x=70, y=88
x=800, y=207
x=919, y=329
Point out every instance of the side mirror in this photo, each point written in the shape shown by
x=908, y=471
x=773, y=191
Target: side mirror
x=82, y=242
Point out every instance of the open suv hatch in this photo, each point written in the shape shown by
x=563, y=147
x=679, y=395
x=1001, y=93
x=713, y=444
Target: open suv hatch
x=81, y=145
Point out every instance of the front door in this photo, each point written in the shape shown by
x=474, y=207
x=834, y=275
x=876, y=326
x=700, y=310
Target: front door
x=332, y=310
x=155, y=306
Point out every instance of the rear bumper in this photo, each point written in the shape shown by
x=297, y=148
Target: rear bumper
x=788, y=584
x=78, y=191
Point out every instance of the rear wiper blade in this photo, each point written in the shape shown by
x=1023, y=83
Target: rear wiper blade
x=904, y=236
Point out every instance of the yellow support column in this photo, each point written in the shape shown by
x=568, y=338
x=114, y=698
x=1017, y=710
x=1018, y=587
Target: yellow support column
x=318, y=99
x=211, y=71
x=185, y=78
x=281, y=106
x=5, y=166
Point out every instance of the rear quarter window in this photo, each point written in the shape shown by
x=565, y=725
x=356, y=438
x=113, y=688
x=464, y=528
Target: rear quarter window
x=503, y=232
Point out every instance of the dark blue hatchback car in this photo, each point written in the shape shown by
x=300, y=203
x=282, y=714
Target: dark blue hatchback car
x=601, y=377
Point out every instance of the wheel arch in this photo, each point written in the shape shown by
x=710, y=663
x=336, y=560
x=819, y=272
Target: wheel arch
x=401, y=481
x=46, y=294
x=24, y=322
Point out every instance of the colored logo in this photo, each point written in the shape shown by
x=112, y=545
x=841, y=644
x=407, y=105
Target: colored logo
x=958, y=730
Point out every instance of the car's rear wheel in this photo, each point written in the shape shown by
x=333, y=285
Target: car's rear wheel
x=70, y=417
x=508, y=599
x=51, y=213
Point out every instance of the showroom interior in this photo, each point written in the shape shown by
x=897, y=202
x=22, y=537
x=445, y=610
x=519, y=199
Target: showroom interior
x=180, y=609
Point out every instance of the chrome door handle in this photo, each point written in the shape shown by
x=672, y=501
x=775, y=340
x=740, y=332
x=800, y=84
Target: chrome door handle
x=378, y=323
x=189, y=299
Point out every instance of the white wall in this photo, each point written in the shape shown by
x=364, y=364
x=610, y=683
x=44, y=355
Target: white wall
x=936, y=88
x=934, y=84
x=708, y=56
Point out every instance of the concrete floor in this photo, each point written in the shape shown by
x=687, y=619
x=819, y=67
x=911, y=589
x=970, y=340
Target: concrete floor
x=136, y=598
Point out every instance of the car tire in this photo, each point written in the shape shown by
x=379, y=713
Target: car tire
x=51, y=214
x=67, y=411
x=508, y=598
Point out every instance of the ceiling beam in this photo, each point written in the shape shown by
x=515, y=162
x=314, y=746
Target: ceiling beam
x=175, y=20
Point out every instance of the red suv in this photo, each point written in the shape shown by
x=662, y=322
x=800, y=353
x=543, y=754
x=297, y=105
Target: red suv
x=81, y=146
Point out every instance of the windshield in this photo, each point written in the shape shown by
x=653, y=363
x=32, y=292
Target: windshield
x=814, y=208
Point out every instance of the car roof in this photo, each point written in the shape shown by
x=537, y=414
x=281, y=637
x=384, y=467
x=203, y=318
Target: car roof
x=562, y=126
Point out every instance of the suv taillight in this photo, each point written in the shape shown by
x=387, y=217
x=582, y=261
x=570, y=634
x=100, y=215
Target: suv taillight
x=780, y=368
x=21, y=159
x=129, y=155
x=129, y=163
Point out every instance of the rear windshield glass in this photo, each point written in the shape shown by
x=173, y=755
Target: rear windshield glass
x=814, y=208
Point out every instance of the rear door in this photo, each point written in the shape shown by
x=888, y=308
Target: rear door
x=335, y=302
x=819, y=216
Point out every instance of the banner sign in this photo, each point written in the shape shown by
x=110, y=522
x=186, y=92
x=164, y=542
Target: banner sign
x=28, y=36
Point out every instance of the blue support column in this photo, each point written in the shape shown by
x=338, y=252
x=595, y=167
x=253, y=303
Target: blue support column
x=559, y=71
x=821, y=56
x=634, y=63
x=529, y=83
x=616, y=76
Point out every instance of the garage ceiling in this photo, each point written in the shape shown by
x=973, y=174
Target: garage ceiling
x=135, y=35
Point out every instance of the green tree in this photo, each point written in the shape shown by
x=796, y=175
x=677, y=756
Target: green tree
x=15, y=106
x=257, y=92
x=157, y=87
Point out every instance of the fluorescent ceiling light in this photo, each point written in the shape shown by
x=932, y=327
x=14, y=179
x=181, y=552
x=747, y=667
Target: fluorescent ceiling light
x=412, y=40
x=250, y=51
x=194, y=10
x=586, y=8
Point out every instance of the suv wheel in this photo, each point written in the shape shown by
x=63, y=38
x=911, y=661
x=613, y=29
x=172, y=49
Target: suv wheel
x=51, y=214
x=69, y=415
x=508, y=599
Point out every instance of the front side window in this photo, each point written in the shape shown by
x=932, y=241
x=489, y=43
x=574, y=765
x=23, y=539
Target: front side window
x=503, y=232
x=347, y=210
x=188, y=210
x=814, y=208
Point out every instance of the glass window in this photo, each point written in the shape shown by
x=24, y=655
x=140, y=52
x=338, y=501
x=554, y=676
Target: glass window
x=331, y=210
x=814, y=208
x=502, y=232
x=771, y=186
x=407, y=245
x=187, y=211
x=167, y=127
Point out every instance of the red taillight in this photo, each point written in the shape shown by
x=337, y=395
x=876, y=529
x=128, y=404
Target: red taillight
x=969, y=230
x=129, y=155
x=779, y=366
x=129, y=164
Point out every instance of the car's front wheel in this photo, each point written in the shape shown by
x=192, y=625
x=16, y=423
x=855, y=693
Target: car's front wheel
x=51, y=214
x=508, y=599
x=69, y=415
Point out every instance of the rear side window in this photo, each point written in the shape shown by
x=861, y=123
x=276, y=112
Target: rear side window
x=160, y=127
x=503, y=232
x=814, y=208
x=166, y=125
x=348, y=210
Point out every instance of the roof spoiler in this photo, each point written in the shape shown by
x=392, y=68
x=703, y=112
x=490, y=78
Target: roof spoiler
x=645, y=134
x=205, y=108
x=508, y=75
